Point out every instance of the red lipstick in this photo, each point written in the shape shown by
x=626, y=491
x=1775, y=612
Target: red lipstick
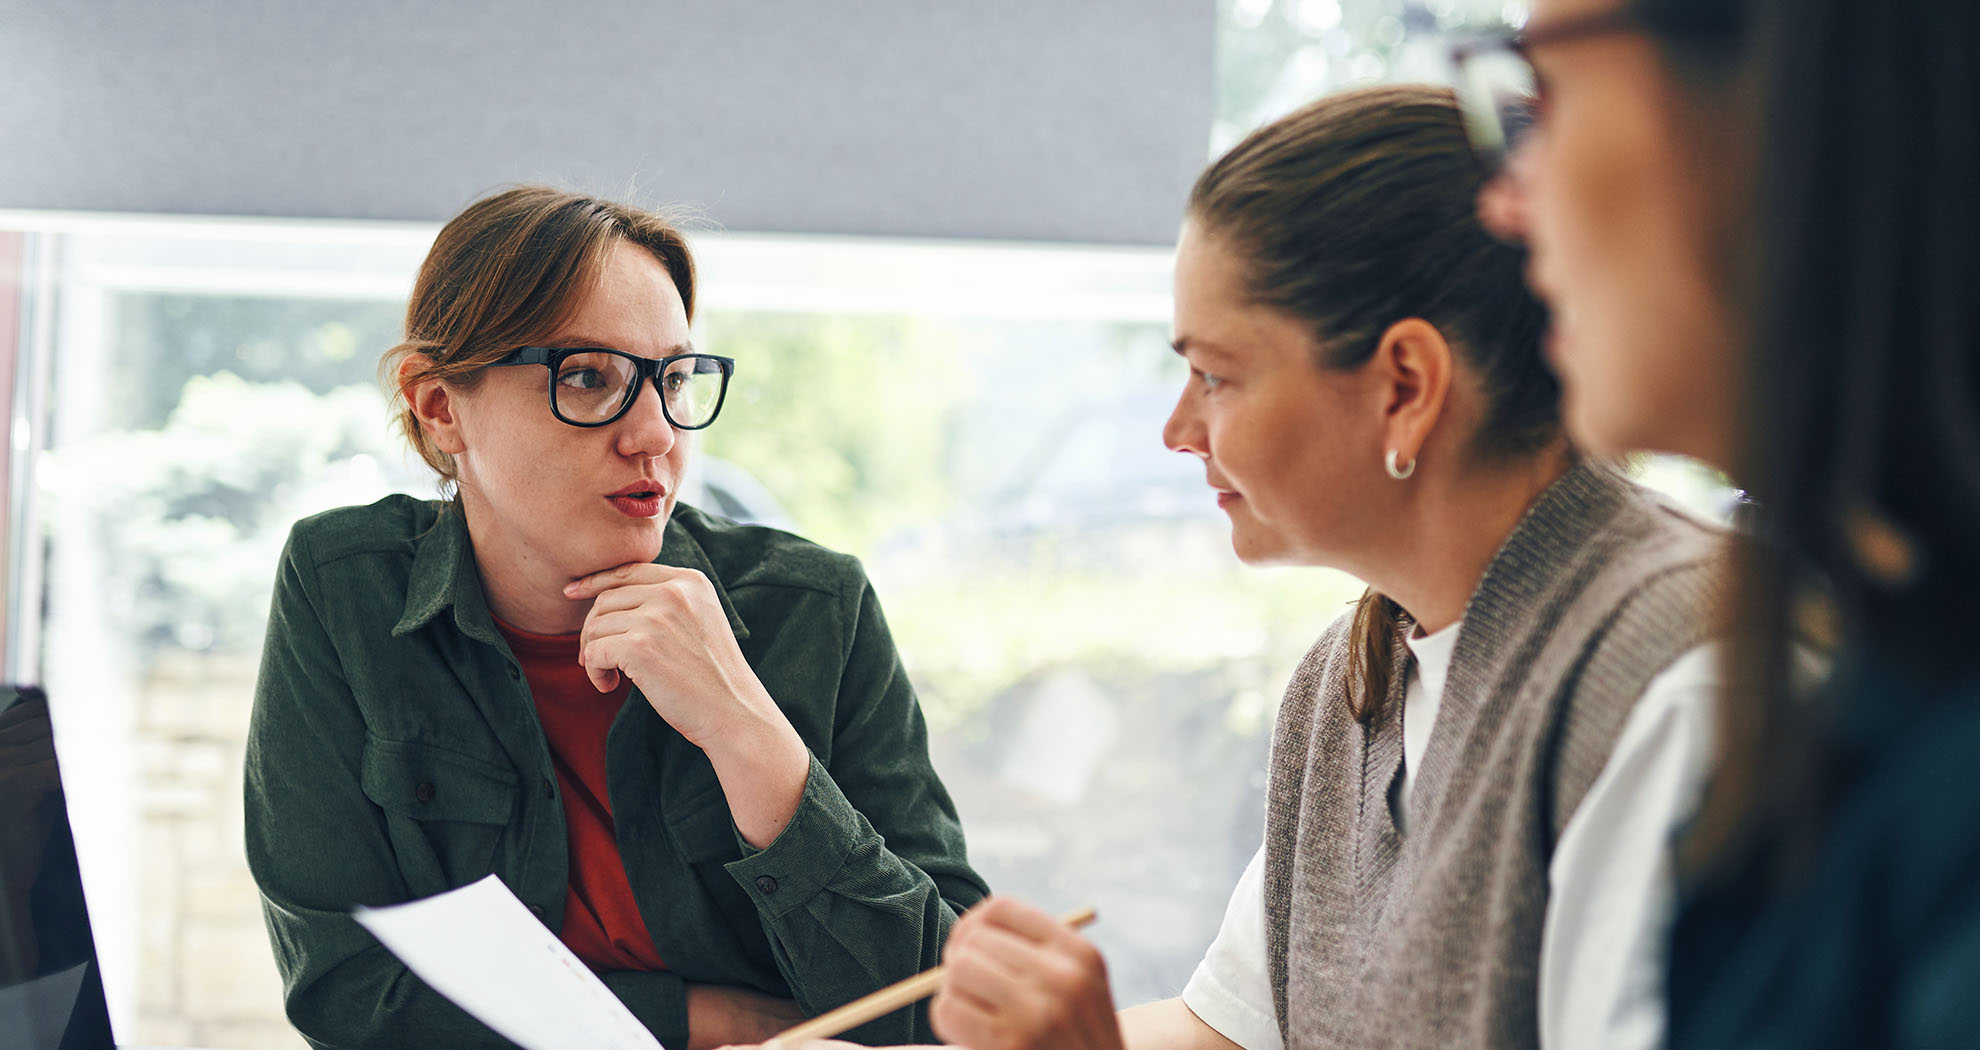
x=641, y=499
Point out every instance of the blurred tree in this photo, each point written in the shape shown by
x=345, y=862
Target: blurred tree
x=1275, y=55
x=162, y=340
x=846, y=419
x=193, y=514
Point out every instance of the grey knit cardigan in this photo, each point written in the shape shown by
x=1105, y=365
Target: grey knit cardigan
x=1431, y=940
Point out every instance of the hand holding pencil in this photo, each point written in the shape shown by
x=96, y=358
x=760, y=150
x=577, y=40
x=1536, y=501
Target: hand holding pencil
x=1012, y=977
x=1018, y=979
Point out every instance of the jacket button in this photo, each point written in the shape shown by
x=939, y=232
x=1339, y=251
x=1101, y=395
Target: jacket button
x=536, y=910
x=766, y=885
x=514, y=672
x=424, y=792
x=549, y=789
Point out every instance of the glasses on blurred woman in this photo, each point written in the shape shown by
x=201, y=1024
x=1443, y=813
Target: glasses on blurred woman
x=593, y=386
x=1501, y=95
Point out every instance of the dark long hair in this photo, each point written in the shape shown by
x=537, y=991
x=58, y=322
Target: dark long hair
x=1860, y=435
x=1358, y=211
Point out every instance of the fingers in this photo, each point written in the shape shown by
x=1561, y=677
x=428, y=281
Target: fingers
x=598, y=582
x=624, y=608
x=1016, y=918
x=625, y=575
x=1026, y=921
x=958, y=1016
x=991, y=966
x=648, y=609
x=1016, y=983
x=614, y=642
x=601, y=659
x=623, y=599
x=666, y=631
x=602, y=625
x=1016, y=977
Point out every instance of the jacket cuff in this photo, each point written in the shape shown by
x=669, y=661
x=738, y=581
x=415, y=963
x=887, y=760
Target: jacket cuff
x=657, y=998
x=805, y=856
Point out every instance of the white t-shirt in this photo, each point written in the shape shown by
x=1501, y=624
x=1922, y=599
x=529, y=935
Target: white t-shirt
x=1610, y=884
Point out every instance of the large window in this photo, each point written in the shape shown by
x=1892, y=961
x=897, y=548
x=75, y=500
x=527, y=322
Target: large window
x=980, y=424
x=1276, y=55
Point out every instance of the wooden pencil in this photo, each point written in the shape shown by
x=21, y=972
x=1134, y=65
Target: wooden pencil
x=883, y=1002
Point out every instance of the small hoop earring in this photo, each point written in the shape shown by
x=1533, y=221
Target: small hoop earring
x=1398, y=472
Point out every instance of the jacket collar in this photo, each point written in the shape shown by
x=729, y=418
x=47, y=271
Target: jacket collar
x=444, y=576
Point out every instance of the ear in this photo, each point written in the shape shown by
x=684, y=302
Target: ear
x=435, y=405
x=1504, y=202
x=1415, y=365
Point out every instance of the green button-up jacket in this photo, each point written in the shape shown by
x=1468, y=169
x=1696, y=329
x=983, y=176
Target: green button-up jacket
x=394, y=752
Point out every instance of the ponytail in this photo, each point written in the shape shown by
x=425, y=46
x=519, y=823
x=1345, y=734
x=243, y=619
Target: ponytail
x=1371, y=655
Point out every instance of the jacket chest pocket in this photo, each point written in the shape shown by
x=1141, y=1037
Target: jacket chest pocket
x=732, y=943
x=705, y=834
x=705, y=838
x=445, y=812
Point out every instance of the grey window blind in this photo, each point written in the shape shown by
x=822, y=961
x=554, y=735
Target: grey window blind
x=1054, y=120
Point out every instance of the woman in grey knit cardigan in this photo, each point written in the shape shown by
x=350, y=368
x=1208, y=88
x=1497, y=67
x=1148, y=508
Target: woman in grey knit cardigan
x=1474, y=773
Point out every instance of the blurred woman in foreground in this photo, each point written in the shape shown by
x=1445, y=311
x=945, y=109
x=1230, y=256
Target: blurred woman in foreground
x=1758, y=226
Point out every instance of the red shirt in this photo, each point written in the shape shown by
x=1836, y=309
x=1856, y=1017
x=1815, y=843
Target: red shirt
x=602, y=924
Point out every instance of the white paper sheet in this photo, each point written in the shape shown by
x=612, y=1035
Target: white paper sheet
x=480, y=947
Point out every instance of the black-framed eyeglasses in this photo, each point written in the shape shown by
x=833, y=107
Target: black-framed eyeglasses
x=592, y=386
x=1498, y=91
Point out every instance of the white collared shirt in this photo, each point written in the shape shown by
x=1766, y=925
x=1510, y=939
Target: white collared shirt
x=1610, y=883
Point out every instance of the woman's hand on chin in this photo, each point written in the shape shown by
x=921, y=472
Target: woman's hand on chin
x=664, y=628
x=1015, y=978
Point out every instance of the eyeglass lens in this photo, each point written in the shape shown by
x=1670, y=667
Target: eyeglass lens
x=594, y=387
x=1497, y=90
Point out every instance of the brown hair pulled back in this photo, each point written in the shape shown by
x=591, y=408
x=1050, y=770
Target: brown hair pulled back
x=1359, y=211
x=507, y=272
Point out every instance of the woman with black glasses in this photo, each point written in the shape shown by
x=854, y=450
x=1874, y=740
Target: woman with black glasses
x=686, y=744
